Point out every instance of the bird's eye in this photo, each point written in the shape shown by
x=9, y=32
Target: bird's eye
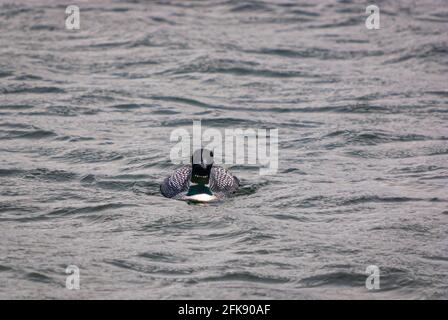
x=211, y=153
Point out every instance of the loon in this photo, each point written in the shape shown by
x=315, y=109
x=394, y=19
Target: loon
x=200, y=181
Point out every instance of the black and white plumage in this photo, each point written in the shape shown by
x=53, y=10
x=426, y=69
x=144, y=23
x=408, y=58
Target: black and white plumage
x=201, y=181
x=222, y=183
x=176, y=183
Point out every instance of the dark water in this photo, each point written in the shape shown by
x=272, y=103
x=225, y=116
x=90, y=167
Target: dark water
x=85, y=121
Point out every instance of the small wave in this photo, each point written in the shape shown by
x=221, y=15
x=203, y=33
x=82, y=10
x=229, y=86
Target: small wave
x=266, y=73
x=89, y=178
x=70, y=211
x=414, y=228
x=156, y=270
x=229, y=234
x=25, y=77
x=349, y=22
x=393, y=278
x=131, y=106
x=349, y=108
x=249, y=189
x=307, y=13
x=308, y=202
x=182, y=100
x=12, y=11
x=59, y=110
x=147, y=188
x=118, y=9
x=15, y=107
x=289, y=217
x=420, y=168
x=15, y=125
x=236, y=68
x=43, y=27
x=354, y=108
x=398, y=153
x=4, y=268
x=49, y=175
x=438, y=93
x=134, y=183
x=334, y=279
x=111, y=8
x=90, y=156
x=318, y=53
x=426, y=52
x=250, y=6
x=16, y=207
x=10, y=172
x=374, y=198
x=184, y=223
x=33, y=90
x=162, y=257
x=107, y=45
x=212, y=122
x=146, y=41
x=366, y=137
x=255, y=238
x=165, y=112
x=245, y=276
x=138, y=63
x=4, y=74
x=159, y=20
x=438, y=17
x=38, y=277
x=115, y=185
x=20, y=134
x=74, y=138
x=131, y=177
x=441, y=259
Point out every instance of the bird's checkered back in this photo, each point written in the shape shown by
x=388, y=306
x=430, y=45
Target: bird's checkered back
x=176, y=183
x=221, y=182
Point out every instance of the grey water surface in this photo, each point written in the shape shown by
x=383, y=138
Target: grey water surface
x=85, y=123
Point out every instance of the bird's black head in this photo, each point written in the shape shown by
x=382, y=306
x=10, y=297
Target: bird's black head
x=201, y=162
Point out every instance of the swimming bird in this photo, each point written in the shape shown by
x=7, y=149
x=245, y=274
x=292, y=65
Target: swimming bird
x=201, y=181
